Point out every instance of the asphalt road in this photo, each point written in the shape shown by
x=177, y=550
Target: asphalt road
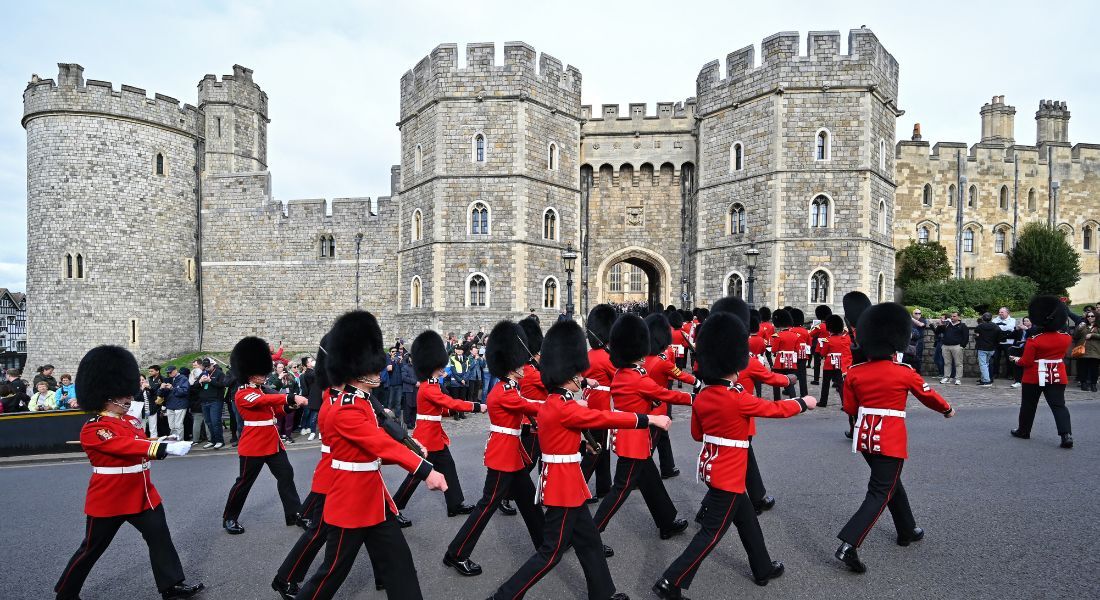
x=1005, y=518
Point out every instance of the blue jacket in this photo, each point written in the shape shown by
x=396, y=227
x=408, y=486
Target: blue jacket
x=475, y=369
x=408, y=380
x=180, y=396
x=61, y=391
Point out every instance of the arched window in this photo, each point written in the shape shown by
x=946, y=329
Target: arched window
x=479, y=148
x=479, y=219
x=819, y=288
x=328, y=246
x=737, y=156
x=1002, y=199
x=552, y=157
x=735, y=285
x=951, y=195
x=926, y=199
x=1065, y=229
x=418, y=158
x=923, y=234
x=972, y=197
x=881, y=287
x=737, y=219
x=550, y=293
x=79, y=266
x=615, y=278
x=550, y=224
x=881, y=157
x=819, y=211
x=822, y=149
x=417, y=226
x=999, y=236
x=160, y=164
x=416, y=293
x=1086, y=237
x=968, y=240
x=477, y=290
x=68, y=266
x=882, y=225
x=1031, y=199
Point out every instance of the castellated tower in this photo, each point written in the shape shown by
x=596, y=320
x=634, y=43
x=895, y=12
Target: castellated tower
x=801, y=146
x=236, y=123
x=489, y=185
x=112, y=197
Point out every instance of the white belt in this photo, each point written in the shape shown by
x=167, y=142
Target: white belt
x=325, y=449
x=882, y=412
x=121, y=470
x=505, y=430
x=875, y=412
x=358, y=467
x=1045, y=372
x=259, y=423
x=561, y=458
x=679, y=349
x=721, y=441
x=601, y=388
x=834, y=358
x=420, y=417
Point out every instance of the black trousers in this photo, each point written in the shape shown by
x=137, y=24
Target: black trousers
x=664, y=451
x=498, y=485
x=789, y=390
x=803, y=388
x=598, y=464
x=721, y=509
x=441, y=460
x=250, y=467
x=817, y=366
x=1056, y=399
x=296, y=564
x=1089, y=369
x=832, y=379
x=754, y=483
x=642, y=474
x=388, y=550
x=98, y=533
x=564, y=527
x=884, y=490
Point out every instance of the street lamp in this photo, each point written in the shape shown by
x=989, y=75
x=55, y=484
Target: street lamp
x=569, y=259
x=358, y=244
x=750, y=261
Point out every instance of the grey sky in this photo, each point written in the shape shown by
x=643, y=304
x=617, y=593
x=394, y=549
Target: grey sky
x=332, y=69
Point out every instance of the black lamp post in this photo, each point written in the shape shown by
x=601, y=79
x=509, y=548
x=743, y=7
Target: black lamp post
x=358, y=244
x=569, y=259
x=750, y=261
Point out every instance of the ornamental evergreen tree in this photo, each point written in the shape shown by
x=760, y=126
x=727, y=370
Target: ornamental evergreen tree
x=1045, y=255
x=920, y=263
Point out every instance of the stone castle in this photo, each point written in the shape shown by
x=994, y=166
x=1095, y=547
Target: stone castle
x=176, y=242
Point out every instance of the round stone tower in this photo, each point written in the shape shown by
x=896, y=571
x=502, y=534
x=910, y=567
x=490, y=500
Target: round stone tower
x=112, y=196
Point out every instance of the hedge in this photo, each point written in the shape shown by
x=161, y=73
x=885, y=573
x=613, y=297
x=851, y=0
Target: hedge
x=980, y=295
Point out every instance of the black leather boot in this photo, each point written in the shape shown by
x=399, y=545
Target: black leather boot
x=677, y=526
x=847, y=554
x=777, y=571
x=182, y=590
x=666, y=590
x=403, y=521
x=507, y=508
x=461, y=509
x=1067, y=440
x=286, y=590
x=1016, y=433
x=915, y=536
x=466, y=568
x=232, y=527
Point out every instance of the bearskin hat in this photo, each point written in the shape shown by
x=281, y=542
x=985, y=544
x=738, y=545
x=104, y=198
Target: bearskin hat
x=781, y=318
x=797, y=316
x=629, y=341
x=884, y=329
x=428, y=354
x=564, y=354
x=702, y=313
x=251, y=356
x=733, y=305
x=754, y=322
x=354, y=347
x=674, y=319
x=854, y=305
x=506, y=350
x=669, y=308
x=320, y=364
x=660, y=334
x=822, y=312
x=599, y=322
x=533, y=331
x=1048, y=313
x=722, y=345
x=765, y=314
x=834, y=324
x=104, y=373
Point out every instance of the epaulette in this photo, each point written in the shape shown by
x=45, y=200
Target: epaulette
x=94, y=419
x=641, y=370
x=508, y=385
x=347, y=399
x=738, y=387
x=661, y=355
x=906, y=365
x=854, y=365
x=567, y=395
x=433, y=380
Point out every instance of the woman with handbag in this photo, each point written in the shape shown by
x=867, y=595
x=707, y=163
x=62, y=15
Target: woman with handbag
x=1086, y=349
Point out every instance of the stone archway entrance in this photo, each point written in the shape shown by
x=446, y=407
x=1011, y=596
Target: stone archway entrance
x=634, y=274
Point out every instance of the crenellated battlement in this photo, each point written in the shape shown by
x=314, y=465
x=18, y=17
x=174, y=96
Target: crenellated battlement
x=640, y=110
x=72, y=94
x=783, y=66
x=236, y=89
x=438, y=75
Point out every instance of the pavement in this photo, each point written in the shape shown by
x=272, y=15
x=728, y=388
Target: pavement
x=1005, y=518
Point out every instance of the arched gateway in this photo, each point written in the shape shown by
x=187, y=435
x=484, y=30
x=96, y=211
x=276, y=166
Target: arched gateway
x=651, y=285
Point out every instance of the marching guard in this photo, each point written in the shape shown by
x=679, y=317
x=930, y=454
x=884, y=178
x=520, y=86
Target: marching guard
x=805, y=348
x=1044, y=368
x=785, y=347
x=661, y=366
x=505, y=459
x=822, y=312
x=562, y=488
x=855, y=303
x=875, y=394
x=836, y=350
x=120, y=490
x=598, y=325
x=260, y=443
x=720, y=419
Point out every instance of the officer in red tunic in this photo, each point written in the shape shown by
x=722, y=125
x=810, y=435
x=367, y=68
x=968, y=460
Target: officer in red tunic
x=822, y=312
x=562, y=488
x=260, y=443
x=720, y=419
x=767, y=330
x=785, y=347
x=805, y=349
x=855, y=303
x=120, y=490
x=1044, y=369
x=358, y=509
x=598, y=329
x=836, y=350
x=505, y=459
x=680, y=338
x=632, y=390
x=429, y=357
x=661, y=367
x=875, y=393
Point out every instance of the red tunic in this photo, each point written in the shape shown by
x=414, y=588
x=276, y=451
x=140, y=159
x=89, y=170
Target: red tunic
x=503, y=450
x=785, y=347
x=431, y=406
x=884, y=385
x=360, y=498
x=758, y=372
x=661, y=368
x=256, y=406
x=727, y=411
x=757, y=345
x=681, y=341
x=817, y=334
x=113, y=442
x=767, y=330
x=837, y=352
x=322, y=473
x=600, y=369
x=531, y=387
x=804, y=342
x=561, y=421
x=632, y=390
x=1046, y=347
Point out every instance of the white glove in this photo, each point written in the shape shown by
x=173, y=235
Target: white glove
x=178, y=448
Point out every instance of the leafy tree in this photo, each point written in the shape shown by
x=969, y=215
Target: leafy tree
x=1045, y=255
x=919, y=263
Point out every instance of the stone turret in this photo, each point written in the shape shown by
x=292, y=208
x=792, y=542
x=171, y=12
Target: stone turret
x=998, y=122
x=236, y=123
x=1051, y=122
